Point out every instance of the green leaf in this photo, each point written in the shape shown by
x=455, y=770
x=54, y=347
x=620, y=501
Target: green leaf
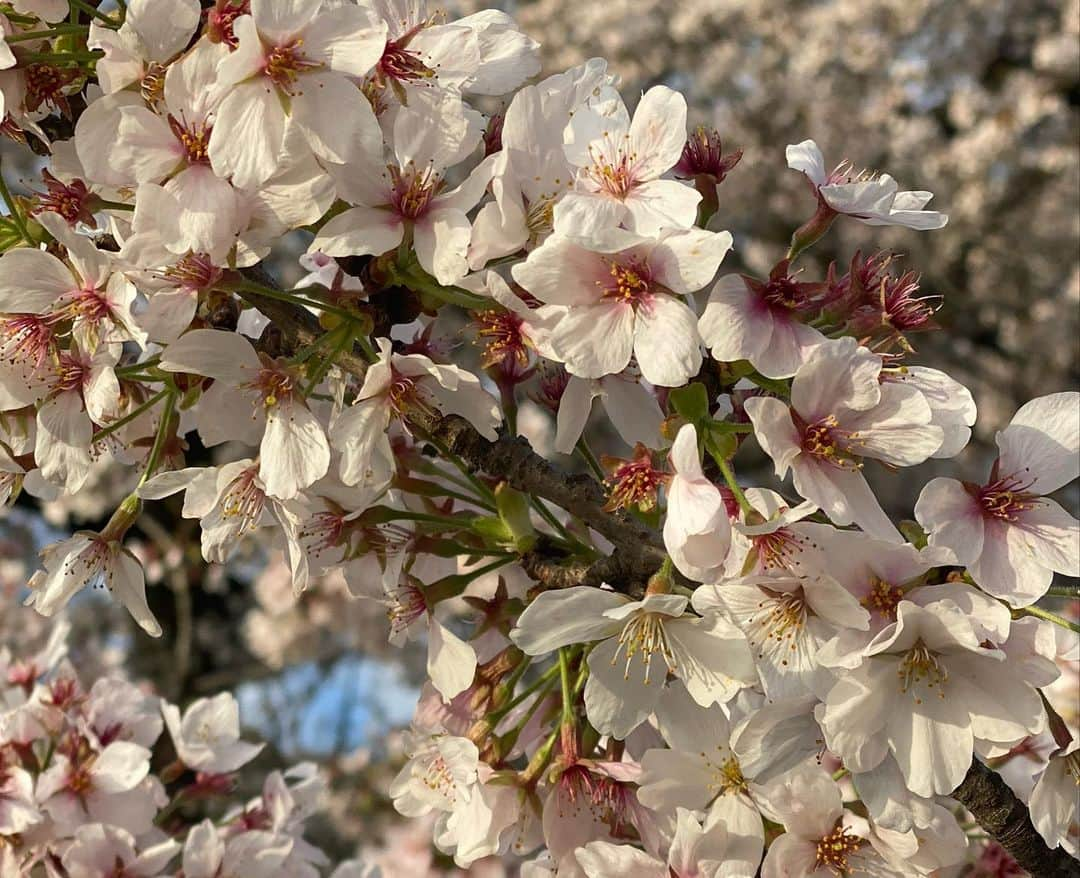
x=692, y=402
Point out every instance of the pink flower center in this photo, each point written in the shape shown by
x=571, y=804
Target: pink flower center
x=829, y=443
x=273, y=386
x=26, y=339
x=629, y=281
x=194, y=139
x=401, y=64
x=883, y=598
x=284, y=65
x=71, y=374
x=323, y=532
x=413, y=190
x=835, y=848
x=612, y=175
x=504, y=341
x=1006, y=499
x=195, y=271
x=405, y=604
x=244, y=500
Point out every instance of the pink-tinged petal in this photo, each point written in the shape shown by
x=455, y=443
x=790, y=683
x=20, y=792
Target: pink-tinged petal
x=574, y=408
x=844, y=496
x=283, y=20
x=434, y=131
x=441, y=241
x=733, y=325
x=1041, y=445
x=633, y=410
x=595, y=340
x=168, y=314
x=952, y=518
x=210, y=214
x=583, y=213
x=451, y=661
x=792, y=344
x=661, y=204
x=191, y=83
x=620, y=695
x=31, y=281
x=294, y=453
x=932, y=743
x=712, y=658
x=658, y=132
x=143, y=148
x=569, y=615
x=120, y=767
x=687, y=261
x=164, y=31
x=1053, y=536
x=128, y=586
x=355, y=433
x=790, y=855
x=360, y=231
x=465, y=196
x=839, y=376
x=775, y=431
x=806, y=157
x=347, y=39
x=248, y=133
x=666, y=342
x=1008, y=568
x=561, y=272
x=224, y=356
x=335, y=118
x=897, y=430
x=601, y=859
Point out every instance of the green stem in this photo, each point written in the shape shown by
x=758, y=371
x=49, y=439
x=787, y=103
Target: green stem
x=94, y=13
x=164, y=425
x=55, y=59
x=729, y=477
x=1040, y=613
x=587, y=455
x=105, y=204
x=13, y=210
x=137, y=368
x=109, y=429
x=564, y=680
x=291, y=298
x=477, y=485
x=56, y=31
x=1064, y=591
x=344, y=340
x=538, y=683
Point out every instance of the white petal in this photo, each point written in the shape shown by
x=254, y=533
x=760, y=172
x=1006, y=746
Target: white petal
x=567, y=616
x=666, y=342
x=1042, y=442
x=294, y=452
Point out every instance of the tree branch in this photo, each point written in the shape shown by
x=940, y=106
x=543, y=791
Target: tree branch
x=639, y=549
x=1006, y=818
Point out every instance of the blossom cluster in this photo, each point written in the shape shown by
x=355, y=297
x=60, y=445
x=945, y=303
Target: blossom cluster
x=90, y=786
x=653, y=668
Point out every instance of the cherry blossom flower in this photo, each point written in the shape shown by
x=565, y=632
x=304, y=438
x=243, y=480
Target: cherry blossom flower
x=293, y=452
x=94, y=560
x=1054, y=803
x=98, y=849
x=621, y=293
x=393, y=385
x=871, y=199
x=640, y=642
x=841, y=413
x=410, y=193
x=759, y=321
x=207, y=737
x=620, y=164
x=292, y=64
x=1007, y=532
x=697, y=529
x=925, y=690
x=139, y=52
x=253, y=854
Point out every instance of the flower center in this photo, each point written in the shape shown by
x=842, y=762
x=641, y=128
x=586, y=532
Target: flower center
x=152, y=85
x=243, y=500
x=540, y=219
x=826, y=441
x=26, y=339
x=727, y=776
x=611, y=174
x=412, y=190
x=633, y=483
x=402, y=65
x=629, y=282
x=284, y=64
x=69, y=200
x=835, y=848
x=195, y=140
x=195, y=271
x=438, y=777
x=777, y=549
x=920, y=667
x=273, y=385
x=506, y=343
x=70, y=374
x=883, y=598
x=644, y=635
x=1006, y=499
x=405, y=604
